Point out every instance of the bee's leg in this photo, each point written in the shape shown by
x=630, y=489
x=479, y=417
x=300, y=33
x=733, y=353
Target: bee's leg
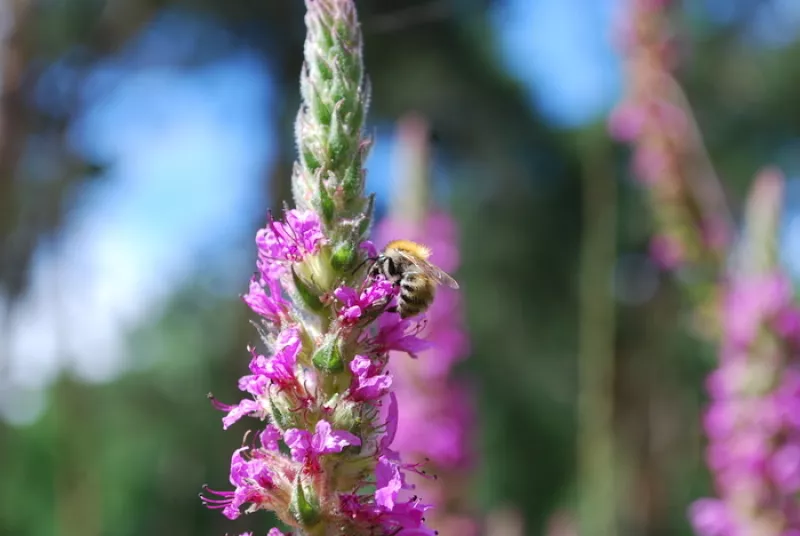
x=392, y=309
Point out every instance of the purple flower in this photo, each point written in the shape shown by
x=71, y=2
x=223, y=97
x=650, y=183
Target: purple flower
x=290, y=241
x=269, y=437
x=437, y=428
x=280, y=367
x=751, y=423
x=626, y=122
x=369, y=249
x=279, y=370
x=389, y=482
x=307, y=448
x=404, y=518
x=254, y=384
x=242, y=409
x=390, y=419
x=785, y=468
x=354, y=304
x=710, y=517
x=269, y=305
x=367, y=383
x=752, y=302
x=400, y=335
x=253, y=483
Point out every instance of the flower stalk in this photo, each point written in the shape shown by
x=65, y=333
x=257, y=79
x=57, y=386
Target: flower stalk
x=693, y=227
x=322, y=458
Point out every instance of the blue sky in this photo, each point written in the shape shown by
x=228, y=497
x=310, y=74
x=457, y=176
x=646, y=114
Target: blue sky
x=189, y=146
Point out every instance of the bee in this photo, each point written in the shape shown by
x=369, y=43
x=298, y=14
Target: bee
x=405, y=263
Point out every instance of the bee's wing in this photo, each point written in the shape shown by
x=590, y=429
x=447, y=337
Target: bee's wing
x=432, y=271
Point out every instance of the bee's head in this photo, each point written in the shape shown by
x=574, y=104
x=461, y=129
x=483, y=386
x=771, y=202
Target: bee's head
x=377, y=262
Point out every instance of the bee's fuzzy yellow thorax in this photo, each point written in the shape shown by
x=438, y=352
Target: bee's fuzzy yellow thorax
x=412, y=248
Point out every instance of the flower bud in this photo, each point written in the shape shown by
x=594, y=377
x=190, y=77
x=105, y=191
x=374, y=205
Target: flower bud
x=344, y=253
x=326, y=204
x=328, y=357
x=280, y=415
x=305, y=504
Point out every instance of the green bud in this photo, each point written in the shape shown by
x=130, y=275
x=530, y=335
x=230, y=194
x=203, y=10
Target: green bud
x=328, y=357
x=309, y=298
x=319, y=109
x=352, y=182
x=344, y=253
x=351, y=66
x=325, y=70
x=357, y=118
x=310, y=161
x=326, y=203
x=281, y=418
x=324, y=37
x=304, y=506
x=339, y=93
x=346, y=415
x=338, y=138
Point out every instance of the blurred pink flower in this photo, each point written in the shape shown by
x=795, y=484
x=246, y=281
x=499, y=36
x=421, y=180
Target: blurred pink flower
x=436, y=422
x=752, y=422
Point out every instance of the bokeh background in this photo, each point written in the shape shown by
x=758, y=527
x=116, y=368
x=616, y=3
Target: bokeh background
x=143, y=141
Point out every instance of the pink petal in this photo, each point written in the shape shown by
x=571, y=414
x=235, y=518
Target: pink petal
x=326, y=441
x=245, y=407
x=346, y=295
x=269, y=437
x=391, y=422
x=299, y=442
x=388, y=484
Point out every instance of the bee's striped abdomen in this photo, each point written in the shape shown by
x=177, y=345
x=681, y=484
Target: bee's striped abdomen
x=416, y=294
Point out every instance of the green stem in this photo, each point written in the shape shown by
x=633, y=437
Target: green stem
x=597, y=465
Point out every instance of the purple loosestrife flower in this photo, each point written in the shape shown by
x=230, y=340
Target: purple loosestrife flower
x=368, y=383
x=318, y=387
x=692, y=223
x=752, y=421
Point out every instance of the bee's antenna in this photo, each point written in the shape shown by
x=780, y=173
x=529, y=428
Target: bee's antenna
x=365, y=261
